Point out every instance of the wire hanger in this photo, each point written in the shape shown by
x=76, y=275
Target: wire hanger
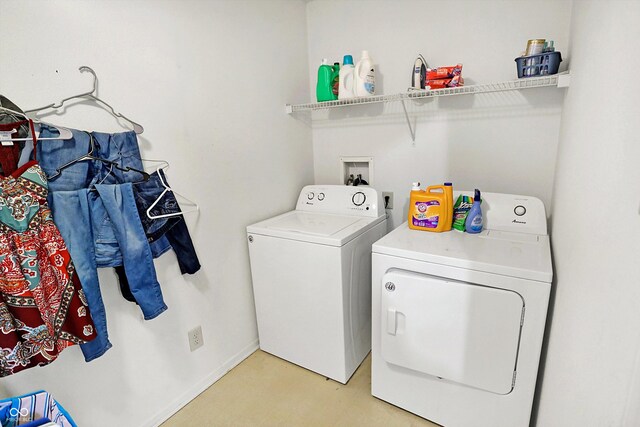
x=193, y=205
x=90, y=156
x=137, y=128
x=64, y=132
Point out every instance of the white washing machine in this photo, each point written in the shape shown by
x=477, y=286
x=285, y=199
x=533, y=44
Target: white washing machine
x=458, y=319
x=311, y=272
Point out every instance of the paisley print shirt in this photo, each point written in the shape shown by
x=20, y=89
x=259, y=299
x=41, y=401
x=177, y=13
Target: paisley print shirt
x=42, y=307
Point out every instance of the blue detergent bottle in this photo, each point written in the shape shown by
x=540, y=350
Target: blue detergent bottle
x=473, y=223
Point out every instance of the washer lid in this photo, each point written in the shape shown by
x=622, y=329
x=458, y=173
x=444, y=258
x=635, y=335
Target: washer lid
x=309, y=223
x=323, y=228
x=525, y=256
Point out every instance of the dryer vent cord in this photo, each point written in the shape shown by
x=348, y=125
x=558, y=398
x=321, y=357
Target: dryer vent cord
x=386, y=201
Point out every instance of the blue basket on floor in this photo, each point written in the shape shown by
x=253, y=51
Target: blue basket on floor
x=543, y=64
x=31, y=409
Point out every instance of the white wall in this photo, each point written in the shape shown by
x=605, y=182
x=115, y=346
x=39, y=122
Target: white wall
x=504, y=142
x=208, y=81
x=592, y=371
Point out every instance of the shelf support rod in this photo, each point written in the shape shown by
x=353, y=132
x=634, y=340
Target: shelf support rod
x=411, y=129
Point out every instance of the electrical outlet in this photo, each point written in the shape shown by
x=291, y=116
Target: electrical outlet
x=195, y=338
x=388, y=203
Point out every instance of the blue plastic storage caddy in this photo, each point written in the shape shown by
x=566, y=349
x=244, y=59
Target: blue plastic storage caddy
x=543, y=64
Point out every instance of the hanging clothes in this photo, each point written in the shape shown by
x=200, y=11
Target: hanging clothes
x=43, y=309
x=102, y=228
x=10, y=154
x=172, y=228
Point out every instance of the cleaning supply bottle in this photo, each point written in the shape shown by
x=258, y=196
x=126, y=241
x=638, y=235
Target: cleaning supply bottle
x=365, y=76
x=346, y=83
x=414, y=215
x=324, y=91
x=473, y=223
x=335, y=80
x=461, y=209
x=426, y=208
x=448, y=191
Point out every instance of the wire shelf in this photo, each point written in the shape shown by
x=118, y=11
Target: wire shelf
x=557, y=80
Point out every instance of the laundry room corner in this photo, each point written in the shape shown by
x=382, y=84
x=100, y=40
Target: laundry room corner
x=319, y=212
x=208, y=82
x=483, y=141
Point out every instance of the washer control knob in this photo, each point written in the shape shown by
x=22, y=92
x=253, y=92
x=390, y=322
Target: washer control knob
x=520, y=210
x=359, y=198
x=321, y=196
x=310, y=195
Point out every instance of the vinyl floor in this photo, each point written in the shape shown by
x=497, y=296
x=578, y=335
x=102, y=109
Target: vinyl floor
x=264, y=390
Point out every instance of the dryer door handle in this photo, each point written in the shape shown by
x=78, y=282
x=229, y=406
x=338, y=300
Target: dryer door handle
x=392, y=321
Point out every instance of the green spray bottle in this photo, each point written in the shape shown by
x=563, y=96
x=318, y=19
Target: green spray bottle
x=324, y=87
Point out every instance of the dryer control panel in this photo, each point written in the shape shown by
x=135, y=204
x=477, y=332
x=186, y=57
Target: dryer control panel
x=342, y=200
x=510, y=212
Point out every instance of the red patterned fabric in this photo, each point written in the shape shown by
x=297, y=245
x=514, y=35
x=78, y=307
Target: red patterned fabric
x=42, y=309
x=10, y=154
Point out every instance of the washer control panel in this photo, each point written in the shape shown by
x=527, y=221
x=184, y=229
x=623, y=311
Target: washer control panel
x=341, y=199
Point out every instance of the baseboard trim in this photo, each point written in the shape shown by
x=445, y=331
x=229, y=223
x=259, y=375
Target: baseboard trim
x=201, y=386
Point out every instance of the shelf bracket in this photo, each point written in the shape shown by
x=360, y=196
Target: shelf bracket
x=411, y=129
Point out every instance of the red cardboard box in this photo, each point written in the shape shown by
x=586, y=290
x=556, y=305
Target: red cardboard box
x=456, y=81
x=444, y=72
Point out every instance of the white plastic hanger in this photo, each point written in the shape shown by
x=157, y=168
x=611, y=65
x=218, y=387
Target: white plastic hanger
x=64, y=132
x=137, y=128
x=193, y=206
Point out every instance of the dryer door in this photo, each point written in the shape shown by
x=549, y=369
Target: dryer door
x=454, y=330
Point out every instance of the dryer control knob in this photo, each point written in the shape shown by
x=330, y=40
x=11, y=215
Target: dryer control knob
x=310, y=195
x=520, y=210
x=321, y=196
x=359, y=198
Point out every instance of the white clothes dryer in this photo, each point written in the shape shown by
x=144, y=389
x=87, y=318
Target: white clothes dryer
x=458, y=318
x=311, y=272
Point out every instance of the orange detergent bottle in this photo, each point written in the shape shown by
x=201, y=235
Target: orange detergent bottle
x=428, y=208
x=449, y=208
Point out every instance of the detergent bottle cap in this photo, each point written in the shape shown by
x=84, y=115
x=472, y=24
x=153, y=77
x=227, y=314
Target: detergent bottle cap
x=416, y=186
x=476, y=195
x=325, y=61
x=448, y=184
x=365, y=54
x=347, y=60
